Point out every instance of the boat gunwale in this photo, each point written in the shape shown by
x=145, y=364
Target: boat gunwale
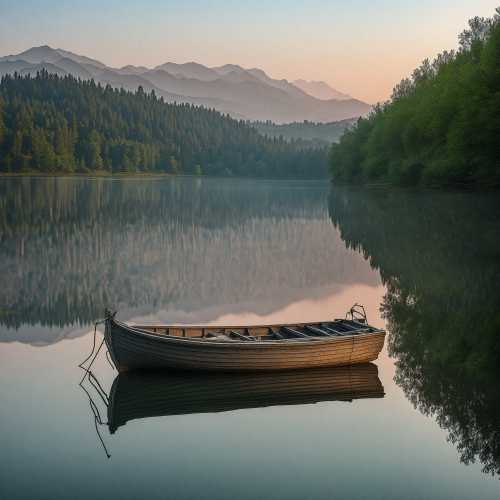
x=203, y=341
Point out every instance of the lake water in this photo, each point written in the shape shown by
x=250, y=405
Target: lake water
x=426, y=264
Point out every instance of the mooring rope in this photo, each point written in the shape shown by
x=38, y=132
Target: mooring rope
x=102, y=321
x=109, y=361
x=98, y=388
x=97, y=418
x=354, y=311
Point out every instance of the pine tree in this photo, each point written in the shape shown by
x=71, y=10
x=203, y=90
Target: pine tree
x=18, y=159
x=93, y=151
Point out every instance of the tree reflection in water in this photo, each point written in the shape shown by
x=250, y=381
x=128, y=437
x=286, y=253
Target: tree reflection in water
x=70, y=246
x=438, y=254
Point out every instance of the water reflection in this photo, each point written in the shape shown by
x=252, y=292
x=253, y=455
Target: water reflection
x=281, y=451
x=68, y=247
x=138, y=395
x=439, y=256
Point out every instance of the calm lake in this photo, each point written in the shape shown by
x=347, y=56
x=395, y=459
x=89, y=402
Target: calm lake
x=424, y=263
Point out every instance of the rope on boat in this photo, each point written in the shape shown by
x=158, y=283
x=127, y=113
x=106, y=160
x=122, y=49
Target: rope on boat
x=356, y=314
x=98, y=388
x=102, y=321
x=93, y=407
x=100, y=391
x=109, y=361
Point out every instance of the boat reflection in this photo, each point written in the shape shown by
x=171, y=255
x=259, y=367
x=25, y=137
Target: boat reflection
x=137, y=395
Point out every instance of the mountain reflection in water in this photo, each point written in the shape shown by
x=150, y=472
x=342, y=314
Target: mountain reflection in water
x=71, y=246
x=159, y=393
x=438, y=254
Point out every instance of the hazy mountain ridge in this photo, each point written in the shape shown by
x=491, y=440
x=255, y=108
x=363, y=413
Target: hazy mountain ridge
x=243, y=94
x=312, y=134
x=320, y=90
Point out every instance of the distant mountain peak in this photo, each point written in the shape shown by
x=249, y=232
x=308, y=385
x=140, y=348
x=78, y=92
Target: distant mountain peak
x=190, y=70
x=320, y=90
x=229, y=68
x=80, y=59
x=46, y=54
x=257, y=71
x=35, y=55
x=242, y=93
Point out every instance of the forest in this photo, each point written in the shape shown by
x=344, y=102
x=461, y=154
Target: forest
x=439, y=127
x=51, y=124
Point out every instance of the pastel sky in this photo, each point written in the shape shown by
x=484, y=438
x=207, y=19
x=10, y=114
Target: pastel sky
x=360, y=47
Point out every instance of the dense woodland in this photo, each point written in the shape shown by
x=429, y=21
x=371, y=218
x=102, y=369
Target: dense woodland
x=441, y=126
x=60, y=124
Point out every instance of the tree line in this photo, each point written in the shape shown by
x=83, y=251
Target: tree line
x=440, y=126
x=55, y=124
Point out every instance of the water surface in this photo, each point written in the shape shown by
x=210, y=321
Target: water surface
x=194, y=251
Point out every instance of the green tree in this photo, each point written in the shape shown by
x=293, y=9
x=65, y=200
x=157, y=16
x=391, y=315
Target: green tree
x=440, y=126
x=92, y=148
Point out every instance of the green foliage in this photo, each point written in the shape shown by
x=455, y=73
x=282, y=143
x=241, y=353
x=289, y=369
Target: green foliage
x=60, y=124
x=441, y=126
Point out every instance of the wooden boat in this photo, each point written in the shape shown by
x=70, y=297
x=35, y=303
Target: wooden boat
x=143, y=394
x=236, y=348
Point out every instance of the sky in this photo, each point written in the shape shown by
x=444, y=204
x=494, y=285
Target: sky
x=359, y=47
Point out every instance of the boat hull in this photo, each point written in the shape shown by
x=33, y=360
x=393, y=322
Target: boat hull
x=133, y=348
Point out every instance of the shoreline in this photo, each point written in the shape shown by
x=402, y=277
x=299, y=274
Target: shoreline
x=100, y=173
x=105, y=174
x=449, y=185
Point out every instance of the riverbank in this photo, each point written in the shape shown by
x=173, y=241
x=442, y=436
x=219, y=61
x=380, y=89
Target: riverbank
x=151, y=175
x=444, y=185
x=99, y=173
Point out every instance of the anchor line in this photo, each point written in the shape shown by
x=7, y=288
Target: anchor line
x=91, y=377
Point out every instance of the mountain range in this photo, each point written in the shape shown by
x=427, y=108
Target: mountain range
x=320, y=90
x=247, y=94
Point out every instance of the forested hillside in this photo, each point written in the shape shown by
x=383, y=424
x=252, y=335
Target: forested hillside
x=60, y=124
x=441, y=126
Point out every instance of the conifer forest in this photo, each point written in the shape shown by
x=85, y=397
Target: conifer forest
x=51, y=124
